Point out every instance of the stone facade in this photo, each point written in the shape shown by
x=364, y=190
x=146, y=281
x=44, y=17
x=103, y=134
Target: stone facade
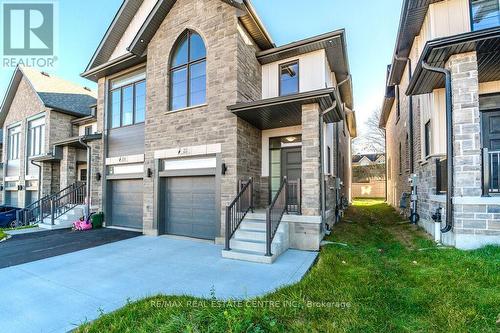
x=476, y=221
x=311, y=203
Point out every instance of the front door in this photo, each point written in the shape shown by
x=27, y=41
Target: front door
x=291, y=163
x=491, y=140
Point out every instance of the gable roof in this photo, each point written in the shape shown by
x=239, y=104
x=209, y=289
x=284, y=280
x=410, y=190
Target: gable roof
x=371, y=157
x=53, y=92
x=138, y=46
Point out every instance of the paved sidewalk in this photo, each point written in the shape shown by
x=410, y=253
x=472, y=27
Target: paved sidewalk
x=59, y=293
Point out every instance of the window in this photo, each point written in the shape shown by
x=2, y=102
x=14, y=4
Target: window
x=188, y=77
x=398, y=104
x=485, y=14
x=36, y=137
x=400, y=158
x=329, y=159
x=289, y=78
x=88, y=130
x=14, y=135
x=427, y=139
x=83, y=175
x=128, y=100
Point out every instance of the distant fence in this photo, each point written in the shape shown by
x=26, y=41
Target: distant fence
x=373, y=189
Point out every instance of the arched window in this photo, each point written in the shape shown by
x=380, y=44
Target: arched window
x=188, y=76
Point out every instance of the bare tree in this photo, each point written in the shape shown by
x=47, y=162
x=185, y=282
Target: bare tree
x=373, y=140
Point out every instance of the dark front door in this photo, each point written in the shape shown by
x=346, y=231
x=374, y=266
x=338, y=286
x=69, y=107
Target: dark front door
x=491, y=140
x=491, y=130
x=291, y=163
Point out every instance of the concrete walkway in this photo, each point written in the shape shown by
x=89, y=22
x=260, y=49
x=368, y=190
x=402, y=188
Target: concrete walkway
x=59, y=293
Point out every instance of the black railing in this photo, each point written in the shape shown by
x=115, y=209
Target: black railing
x=39, y=210
x=238, y=209
x=294, y=196
x=274, y=214
x=491, y=172
x=60, y=205
x=441, y=176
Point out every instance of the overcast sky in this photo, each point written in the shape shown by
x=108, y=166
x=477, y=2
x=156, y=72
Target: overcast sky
x=371, y=28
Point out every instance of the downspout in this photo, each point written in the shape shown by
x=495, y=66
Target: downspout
x=39, y=178
x=386, y=167
x=89, y=165
x=449, y=142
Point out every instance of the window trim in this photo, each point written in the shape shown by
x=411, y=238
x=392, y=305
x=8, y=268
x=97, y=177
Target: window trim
x=10, y=154
x=187, y=66
x=298, y=76
x=110, y=112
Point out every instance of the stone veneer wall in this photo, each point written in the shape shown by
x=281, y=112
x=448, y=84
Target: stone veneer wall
x=476, y=219
x=310, y=160
x=212, y=123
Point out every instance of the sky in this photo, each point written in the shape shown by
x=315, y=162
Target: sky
x=371, y=28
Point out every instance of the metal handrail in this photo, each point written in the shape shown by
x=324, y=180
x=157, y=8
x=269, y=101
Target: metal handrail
x=491, y=172
x=61, y=205
x=238, y=209
x=37, y=211
x=274, y=214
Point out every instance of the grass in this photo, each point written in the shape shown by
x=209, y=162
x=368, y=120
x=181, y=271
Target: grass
x=21, y=227
x=2, y=234
x=377, y=275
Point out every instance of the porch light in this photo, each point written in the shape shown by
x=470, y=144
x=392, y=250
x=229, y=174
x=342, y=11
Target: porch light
x=291, y=138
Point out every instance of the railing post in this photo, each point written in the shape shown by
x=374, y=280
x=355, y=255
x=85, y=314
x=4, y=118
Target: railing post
x=285, y=180
x=486, y=173
x=251, y=194
x=52, y=210
x=299, y=196
x=268, y=232
x=18, y=217
x=227, y=246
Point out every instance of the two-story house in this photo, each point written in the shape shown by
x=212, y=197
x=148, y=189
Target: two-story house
x=39, y=114
x=442, y=119
x=199, y=110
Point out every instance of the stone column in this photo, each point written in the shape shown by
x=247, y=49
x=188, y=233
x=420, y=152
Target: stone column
x=68, y=167
x=46, y=181
x=466, y=124
x=95, y=184
x=310, y=160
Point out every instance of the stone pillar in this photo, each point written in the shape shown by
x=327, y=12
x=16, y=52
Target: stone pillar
x=46, y=181
x=95, y=168
x=466, y=124
x=310, y=160
x=68, y=167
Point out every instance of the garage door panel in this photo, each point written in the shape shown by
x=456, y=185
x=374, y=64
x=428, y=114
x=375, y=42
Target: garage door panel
x=126, y=203
x=190, y=207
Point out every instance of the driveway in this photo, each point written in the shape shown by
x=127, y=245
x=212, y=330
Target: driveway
x=59, y=293
x=27, y=247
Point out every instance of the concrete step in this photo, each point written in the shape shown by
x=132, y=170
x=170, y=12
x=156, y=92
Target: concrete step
x=254, y=245
x=256, y=235
x=252, y=256
x=47, y=226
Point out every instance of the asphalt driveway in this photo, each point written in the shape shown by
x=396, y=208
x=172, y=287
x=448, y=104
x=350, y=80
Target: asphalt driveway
x=58, y=294
x=24, y=248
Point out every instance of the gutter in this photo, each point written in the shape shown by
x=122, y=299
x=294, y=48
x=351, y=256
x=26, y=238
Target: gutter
x=449, y=142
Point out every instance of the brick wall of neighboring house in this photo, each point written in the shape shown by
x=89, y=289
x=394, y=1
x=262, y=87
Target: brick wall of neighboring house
x=212, y=123
x=25, y=104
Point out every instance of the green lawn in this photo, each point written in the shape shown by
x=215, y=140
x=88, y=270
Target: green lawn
x=378, y=275
x=2, y=234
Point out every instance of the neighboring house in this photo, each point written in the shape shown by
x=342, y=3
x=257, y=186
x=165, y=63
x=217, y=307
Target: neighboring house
x=38, y=117
x=446, y=131
x=368, y=159
x=194, y=98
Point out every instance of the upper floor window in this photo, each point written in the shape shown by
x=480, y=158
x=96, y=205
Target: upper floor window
x=36, y=137
x=14, y=134
x=128, y=100
x=188, y=76
x=485, y=14
x=289, y=78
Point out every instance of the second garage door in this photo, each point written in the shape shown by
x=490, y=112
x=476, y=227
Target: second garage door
x=126, y=203
x=190, y=207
